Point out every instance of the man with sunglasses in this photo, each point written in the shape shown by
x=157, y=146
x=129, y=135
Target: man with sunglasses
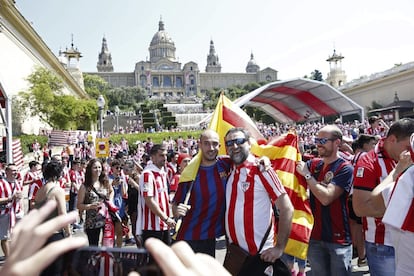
x=329, y=180
x=377, y=166
x=250, y=196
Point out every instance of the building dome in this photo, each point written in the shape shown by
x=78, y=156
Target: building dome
x=252, y=66
x=161, y=36
x=162, y=46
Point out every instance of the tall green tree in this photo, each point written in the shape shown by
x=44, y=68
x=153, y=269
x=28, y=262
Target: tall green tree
x=46, y=100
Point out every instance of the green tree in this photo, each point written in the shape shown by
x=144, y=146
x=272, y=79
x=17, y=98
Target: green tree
x=316, y=75
x=46, y=100
x=95, y=85
x=126, y=98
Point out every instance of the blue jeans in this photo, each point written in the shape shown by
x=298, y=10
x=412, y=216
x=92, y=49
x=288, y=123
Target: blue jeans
x=289, y=259
x=381, y=259
x=328, y=259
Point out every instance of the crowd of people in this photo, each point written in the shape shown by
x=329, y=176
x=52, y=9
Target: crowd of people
x=350, y=170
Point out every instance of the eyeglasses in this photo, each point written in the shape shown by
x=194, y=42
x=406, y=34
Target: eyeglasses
x=323, y=141
x=118, y=168
x=237, y=141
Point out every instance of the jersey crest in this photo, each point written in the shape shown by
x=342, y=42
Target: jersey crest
x=360, y=172
x=245, y=186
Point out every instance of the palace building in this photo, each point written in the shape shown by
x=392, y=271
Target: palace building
x=164, y=77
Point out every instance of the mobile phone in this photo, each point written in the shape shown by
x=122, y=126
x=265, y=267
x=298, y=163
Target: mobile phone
x=116, y=261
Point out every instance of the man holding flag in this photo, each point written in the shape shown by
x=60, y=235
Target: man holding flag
x=283, y=153
x=203, y=211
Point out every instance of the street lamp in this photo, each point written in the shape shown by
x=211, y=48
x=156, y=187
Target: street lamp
x=117, y=116
x=101, y=103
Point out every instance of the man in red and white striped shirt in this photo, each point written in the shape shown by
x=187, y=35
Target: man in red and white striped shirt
x=10, y=204
x=370, y=170
x=250, y=195
x=154, y=209
x=33, y=178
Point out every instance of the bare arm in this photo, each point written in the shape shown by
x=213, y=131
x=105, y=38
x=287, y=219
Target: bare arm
x=81, y=199
x=371, y=203
x=155, y=208
x=326, y=193
x=61, y=206
x=133, y=183
x=285, y=207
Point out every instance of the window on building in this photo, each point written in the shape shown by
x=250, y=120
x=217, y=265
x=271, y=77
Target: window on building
x=192, y=80
x=167, y=81
x=155, y=82
x=178, y=82
x=143, y=80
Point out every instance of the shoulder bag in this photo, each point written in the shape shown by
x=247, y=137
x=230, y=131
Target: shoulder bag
x=112, y=208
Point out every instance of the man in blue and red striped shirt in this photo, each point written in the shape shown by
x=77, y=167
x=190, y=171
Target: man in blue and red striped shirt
x=329, y=180
x=203, y=216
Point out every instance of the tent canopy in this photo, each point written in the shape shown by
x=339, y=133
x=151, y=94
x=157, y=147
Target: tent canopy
x=299, y=100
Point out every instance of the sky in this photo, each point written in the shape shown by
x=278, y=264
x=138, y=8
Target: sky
x=293, y=37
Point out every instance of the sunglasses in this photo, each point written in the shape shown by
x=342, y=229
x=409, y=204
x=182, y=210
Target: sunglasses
x=237, y=141
x=118, y=168
x=323, y=141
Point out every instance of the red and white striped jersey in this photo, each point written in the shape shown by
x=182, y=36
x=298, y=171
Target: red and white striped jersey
x=8, y=189
x=153, y=183
x=171, y=171
x=370, y=170
x=76, y=177
x=400, y=209
x=34, y=187
x=250, y=195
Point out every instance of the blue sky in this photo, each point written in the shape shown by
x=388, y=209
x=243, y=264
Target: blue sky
x=293, y=37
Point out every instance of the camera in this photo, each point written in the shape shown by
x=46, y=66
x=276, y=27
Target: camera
x=95, y=260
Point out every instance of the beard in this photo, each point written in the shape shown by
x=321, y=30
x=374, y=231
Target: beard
x=240, y=156
x=324, y=152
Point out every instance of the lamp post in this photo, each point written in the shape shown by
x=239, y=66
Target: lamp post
x=117, y=120
x=101, y=103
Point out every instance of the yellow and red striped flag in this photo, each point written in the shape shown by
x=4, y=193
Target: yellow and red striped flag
x=283, y=153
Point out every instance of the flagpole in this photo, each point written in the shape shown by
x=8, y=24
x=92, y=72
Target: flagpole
x=180, y=219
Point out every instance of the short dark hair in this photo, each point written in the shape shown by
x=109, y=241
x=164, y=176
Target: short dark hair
x=402, y=128
x=238, y=129
x=53, y=170
x=120, y=154
x=33, y=163
x=373, y=119
x=116, y=162
x=364, y=139
x=155, y=148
